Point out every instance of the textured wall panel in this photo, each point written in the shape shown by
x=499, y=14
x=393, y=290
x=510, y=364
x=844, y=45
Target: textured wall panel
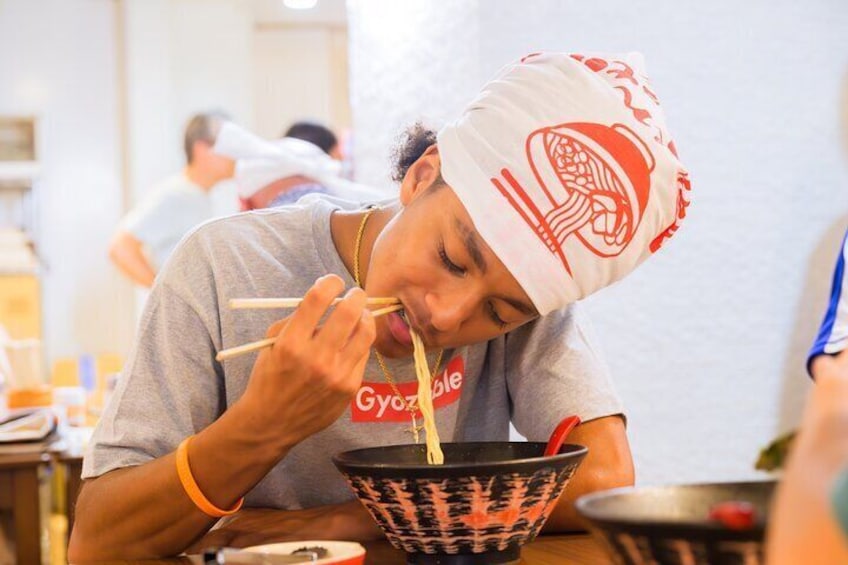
x=410, y=61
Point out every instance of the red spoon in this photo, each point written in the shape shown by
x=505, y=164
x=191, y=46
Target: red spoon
x=560, y=433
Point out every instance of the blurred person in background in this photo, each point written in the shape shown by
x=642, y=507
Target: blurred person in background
x=316, y=134
x=272, y=173
x=310, y=144
x=149, y=232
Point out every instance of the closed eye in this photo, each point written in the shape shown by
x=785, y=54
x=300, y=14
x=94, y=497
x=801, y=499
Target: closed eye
x=449, y=265
x=493, y=314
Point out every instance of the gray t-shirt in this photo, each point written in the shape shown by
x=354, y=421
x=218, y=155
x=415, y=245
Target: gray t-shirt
x=172, y=386
x=169, y=211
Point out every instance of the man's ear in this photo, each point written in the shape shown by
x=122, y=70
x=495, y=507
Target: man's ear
x=420, y=175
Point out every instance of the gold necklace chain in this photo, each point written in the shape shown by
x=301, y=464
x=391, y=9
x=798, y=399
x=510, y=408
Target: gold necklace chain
x=382, y=363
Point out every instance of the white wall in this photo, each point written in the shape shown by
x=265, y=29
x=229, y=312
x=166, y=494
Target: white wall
x=300, y=73
x=57, y=61
x=300, y=66
x=409, y=61
x=707, y=340
x=183, y=57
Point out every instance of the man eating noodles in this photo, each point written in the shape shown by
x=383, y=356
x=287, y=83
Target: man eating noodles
x=557, y=180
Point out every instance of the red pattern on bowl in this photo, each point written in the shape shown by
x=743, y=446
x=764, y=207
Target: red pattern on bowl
x=488, y=497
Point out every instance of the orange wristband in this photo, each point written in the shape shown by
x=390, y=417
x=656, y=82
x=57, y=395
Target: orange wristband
x=191, y=488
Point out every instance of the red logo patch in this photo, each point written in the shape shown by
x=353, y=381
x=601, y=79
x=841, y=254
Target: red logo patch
x=377, y=402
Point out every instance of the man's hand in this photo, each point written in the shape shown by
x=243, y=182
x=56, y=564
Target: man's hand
x=307, y=379
x=348, y=521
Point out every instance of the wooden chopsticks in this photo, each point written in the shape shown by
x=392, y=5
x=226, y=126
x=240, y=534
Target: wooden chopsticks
x=389, y=305
x=259, y=303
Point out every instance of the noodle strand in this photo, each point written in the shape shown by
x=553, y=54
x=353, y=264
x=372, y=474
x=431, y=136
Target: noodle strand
x=425, y=402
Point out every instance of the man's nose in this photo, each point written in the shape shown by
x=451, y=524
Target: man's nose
x=449, y=309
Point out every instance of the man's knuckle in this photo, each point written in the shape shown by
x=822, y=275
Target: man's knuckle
x=286, y=350
x=369, y=330
x=319, y=369
x=322, y=295
x=357, y=296
x=347, y=387
x=349, y=311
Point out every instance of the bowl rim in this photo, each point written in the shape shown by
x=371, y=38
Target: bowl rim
x=603, y=520
x=343, y=460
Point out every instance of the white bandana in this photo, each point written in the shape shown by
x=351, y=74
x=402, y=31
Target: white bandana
x=568, y=171
x=260, y=162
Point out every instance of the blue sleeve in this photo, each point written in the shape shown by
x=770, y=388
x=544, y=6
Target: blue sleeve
x=833, y=333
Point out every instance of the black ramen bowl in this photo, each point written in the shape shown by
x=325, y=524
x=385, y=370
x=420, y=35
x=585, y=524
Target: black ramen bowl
x=673, y=525
x=479, y=508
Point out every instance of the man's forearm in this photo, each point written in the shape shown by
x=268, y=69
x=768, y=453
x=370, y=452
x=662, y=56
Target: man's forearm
x=608, y=464
x=254, y=526
x=157, y=518
x=126, y=252
x=140, y=274
x=564, y=517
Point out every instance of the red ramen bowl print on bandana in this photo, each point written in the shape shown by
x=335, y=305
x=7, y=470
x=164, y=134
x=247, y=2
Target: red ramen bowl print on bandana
x=596, y=182
x=479, y=508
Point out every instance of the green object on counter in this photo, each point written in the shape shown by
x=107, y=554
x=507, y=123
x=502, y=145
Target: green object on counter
x=773, y=457
x=839, y=500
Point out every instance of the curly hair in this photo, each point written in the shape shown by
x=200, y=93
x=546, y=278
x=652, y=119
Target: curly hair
x=411, y=144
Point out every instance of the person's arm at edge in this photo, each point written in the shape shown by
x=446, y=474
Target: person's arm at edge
x=803, y=524
x=127, y=252
x=609, y=464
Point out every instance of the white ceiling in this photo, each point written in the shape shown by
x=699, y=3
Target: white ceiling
x=274, y=12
